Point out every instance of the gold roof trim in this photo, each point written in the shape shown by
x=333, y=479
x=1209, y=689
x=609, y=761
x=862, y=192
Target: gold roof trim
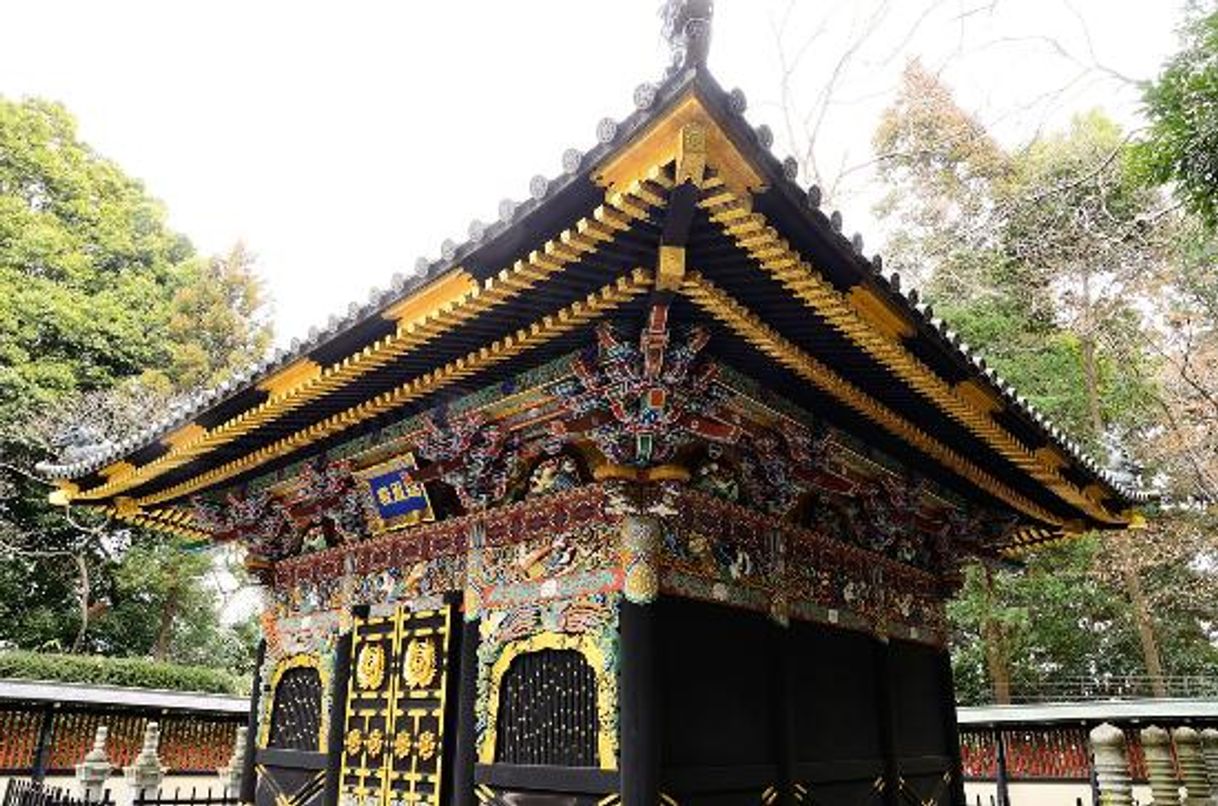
x=982, y=397
x=117, y=472
x=671, y=269
x=448, y=289
x=585, y=236
x=749, y=326
x=63, y=493
x=290, y=378
x=752, y=232
x=170, y=520
x=187, y=433
x=548, y=328
x=1051, y=456
x=880, y=313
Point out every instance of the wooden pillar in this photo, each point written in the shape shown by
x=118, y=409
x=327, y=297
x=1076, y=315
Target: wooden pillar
x=951, y=730
x=466, y=753
x=886, y=715
x=338, y=717
x=248, y=776
x=42, y=750
x=638, y=706
x=638, y=720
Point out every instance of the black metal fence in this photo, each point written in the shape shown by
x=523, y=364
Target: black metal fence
x=183, y=797
x=19, y=792
x=32, y=793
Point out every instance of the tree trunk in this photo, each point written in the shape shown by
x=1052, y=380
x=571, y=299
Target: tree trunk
x=82, y=569
x=1119, y=545
x=1091, y=378
x=164, y=630
x=993, y=634
x=1141, y=615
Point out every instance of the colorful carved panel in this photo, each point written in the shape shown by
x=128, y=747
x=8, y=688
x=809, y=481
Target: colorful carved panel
x=393, y=739
x=648, y=408
x=718, y=551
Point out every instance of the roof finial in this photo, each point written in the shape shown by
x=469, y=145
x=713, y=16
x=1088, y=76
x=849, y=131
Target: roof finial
x=687, y=27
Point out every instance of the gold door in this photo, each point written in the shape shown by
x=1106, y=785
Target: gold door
x=393, y=744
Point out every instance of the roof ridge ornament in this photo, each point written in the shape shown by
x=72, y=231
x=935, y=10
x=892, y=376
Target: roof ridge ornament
x=687, y=27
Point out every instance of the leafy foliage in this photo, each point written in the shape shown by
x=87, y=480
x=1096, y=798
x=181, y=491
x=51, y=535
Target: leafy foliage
x=1182, y=106
x=85, y=263
x=215, y=325
x=1060, y=263
x=1062, y=618
x=106, y=316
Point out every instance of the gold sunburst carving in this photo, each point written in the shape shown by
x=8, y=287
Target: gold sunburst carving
x=375, y=742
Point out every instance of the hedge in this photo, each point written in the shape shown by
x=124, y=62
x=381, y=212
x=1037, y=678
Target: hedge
x=130, y=672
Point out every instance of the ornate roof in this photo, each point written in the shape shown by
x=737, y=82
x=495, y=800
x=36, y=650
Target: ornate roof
x=682, y=197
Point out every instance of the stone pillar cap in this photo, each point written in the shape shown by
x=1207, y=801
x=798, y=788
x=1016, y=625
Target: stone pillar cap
x=1154, y=735
x=1107, y=733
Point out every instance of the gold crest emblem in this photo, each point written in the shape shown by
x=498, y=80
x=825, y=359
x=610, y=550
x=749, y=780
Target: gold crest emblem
x=355, y=741
x=402, y=743
x=427, y=745
x=375, y=742
x=420, y=666
x=370, y=667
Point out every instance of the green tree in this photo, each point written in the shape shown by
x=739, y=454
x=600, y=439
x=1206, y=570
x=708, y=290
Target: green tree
x=1181, y=146
x=1058, y=622
x=86, y=261
x=105, y=315
x=216, y=324
x=1039, y=256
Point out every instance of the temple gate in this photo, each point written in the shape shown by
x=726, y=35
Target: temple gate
x=651, y=491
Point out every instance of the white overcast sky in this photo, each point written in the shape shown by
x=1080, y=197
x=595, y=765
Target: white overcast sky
x=342, y=141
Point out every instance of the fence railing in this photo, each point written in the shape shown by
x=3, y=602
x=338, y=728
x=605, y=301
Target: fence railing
x=1039, y=753
x=41, y=741
x=1116, y=687
x=32, y=793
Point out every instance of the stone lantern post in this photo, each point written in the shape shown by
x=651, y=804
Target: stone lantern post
x=230, y=773
x=144, y=775
x=1164, y=786
x=1111, y=765
x=93, y=773
x=1192, y=767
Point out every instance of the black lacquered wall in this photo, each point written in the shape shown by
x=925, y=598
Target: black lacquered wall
x=753, y=712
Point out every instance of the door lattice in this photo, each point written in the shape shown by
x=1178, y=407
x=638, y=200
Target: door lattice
x=393, y=746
